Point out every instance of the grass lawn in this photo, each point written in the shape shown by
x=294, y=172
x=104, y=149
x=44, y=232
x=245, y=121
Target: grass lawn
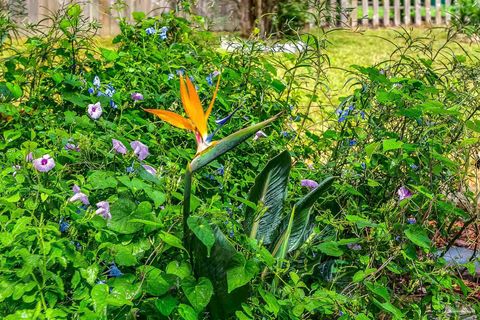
x=366, y=48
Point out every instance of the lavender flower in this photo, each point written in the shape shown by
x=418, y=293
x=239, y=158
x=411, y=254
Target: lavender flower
x=29, y=157
x=150, y=31
x=139, y=149
x=71, y=146
x=354, y=246
x=403, y=193
x=259, y=135
x=79, y=196
x=130, y=169
x=103, y=209
x=137, y=96
x=44, y=164
x=309, y=183
x=95, y=110
x=119, y=147
x=411, y=220
x=150, y=169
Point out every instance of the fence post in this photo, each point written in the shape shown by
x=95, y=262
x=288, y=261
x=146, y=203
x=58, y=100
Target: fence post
x=344, y=13
x=386, y=13
x=408, y=12
x=418, y=13
x=447, y=11
x=354, y=14
x=333, y=13
x=375, y=13
x=438, y=12
x=365, y=12
x=428, y=12
x=396, y=10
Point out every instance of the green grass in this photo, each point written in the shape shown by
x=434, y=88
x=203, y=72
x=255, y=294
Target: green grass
x=366, y=48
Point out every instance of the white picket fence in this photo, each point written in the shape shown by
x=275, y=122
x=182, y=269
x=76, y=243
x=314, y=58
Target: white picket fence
x=346, y=13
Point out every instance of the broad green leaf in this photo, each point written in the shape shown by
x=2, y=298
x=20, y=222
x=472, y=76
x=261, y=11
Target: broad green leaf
x=124, y=257
x=391, y=144
x=387, y=306
x=202, y=230
x=102, y=180
x=222, y=304
x=227, y=144
x=171, y=240
x=272, y=304
x=198, y=293
x=301, y=217
x=156, y=282
x=108, y=54
x=123, y=211
x=268, y=192
x=241, y=273
x=180, y=269
x=187, y=312
x=418, y=236
x=15, y=90
x=166, y=305
x=330, y=248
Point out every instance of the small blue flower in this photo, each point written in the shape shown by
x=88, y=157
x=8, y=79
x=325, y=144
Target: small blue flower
x=296, y=119
x=114, y=271
x=163, y=33
x=63, y=226
x=209, y=80
x=96, y=81
x=91, y=90
x=130, y=169
x=354, y=246
x=285, y=134
x=363, y=165
x=352, y=142
x=362, y=114
x=113, y=104
x=150, y=31
x=210, y=176
x=180, y=72
x=351, y=107
x=231, y=234
x=110, y=91
x=101, y=282
x=411, y=220
x=170, y=76
x=220, y=171
x=192, y=78
x=414, y=166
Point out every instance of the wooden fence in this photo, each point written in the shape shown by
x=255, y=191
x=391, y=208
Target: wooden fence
x=223, y=14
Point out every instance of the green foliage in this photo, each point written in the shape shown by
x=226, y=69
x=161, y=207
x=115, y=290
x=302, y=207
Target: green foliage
x=467, y=17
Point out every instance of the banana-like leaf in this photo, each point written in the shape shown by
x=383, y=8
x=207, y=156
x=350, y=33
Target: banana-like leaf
x=227, y=144
x=299, y=230
x=223, y=304
x=268, y=192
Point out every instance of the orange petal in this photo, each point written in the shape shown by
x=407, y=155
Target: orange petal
x=173, y=118
x=209, y=110
x=194, y=109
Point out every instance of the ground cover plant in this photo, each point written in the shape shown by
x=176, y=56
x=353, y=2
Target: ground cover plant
x=163, y=177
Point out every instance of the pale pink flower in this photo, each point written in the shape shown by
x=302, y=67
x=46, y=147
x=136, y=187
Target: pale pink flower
x=44, y=164
x=95, y=110
x=140, y=150
x=104, y=209
x=119, y=147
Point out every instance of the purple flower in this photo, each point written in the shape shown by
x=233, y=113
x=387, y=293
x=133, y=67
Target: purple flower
x=150, y=169
x=259, y=135
x=137, y=96
x=411, y=220
x=150, y=31
x=354, y=246
x=119, y=147
x=403, y=193
x=71, y=146
x=103, y=209
x=29, y=157
x=44, y=164
x=96, y=81
x=309, y=183
x=140, y=150
x=79, y=196
x=75, y=189
x=95, y=110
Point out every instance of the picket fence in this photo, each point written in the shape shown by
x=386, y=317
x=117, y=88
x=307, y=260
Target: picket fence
x=223, y=15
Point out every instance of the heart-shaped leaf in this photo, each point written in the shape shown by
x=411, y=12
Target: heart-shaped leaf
x=198, y=293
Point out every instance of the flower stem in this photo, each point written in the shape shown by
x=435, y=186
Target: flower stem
x=186, y=208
